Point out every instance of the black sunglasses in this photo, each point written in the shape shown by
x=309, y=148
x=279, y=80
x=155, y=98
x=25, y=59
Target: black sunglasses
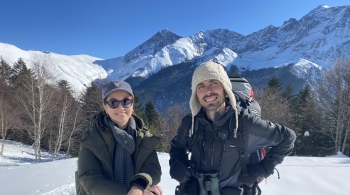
x=114, y=103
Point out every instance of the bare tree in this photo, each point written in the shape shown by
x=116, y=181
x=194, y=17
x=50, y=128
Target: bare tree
x=334, y=93
x=35, y=96
x=68, y=110
x=65, y=104
x=274, y=107
x=75, y=122
x=6, y=116
x=347, y=115
x=5, y=101
x=170, y=122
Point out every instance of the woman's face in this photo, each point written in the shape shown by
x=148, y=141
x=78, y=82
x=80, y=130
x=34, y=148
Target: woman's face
x=119, y=115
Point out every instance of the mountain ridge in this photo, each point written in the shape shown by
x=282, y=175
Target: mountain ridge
x=319, y=37
x=304, y=48
x=78, y=70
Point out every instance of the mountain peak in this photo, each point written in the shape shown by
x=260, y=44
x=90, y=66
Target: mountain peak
x=321, y=8
x=323, y=11
x=289, y=25
x=161, y=39
x=165, y=33
x=325, y=6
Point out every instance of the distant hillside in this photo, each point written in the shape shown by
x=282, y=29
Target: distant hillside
x=167, y=87
x=172, y=85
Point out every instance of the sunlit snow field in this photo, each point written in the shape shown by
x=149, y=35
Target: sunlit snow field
x=20, y=175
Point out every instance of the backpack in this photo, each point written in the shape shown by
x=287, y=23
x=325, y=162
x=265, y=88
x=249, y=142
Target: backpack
x=244, y=96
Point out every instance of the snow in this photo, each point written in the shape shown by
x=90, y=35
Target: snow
x=317, y=39
x=19, y=174
x=78, y=70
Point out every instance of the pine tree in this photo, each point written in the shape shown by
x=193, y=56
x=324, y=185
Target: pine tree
x=151, y=113
x=236, y=73
x=138, y=108
x=19, y=66
x=91, y=100
x=5, y=70
x=153, y=118
x=20, y=73
x=64, y=85
x=308, y=122
x=274, y=85
x=288, y=92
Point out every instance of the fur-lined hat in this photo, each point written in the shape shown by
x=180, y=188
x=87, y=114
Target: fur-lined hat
x=205, y=71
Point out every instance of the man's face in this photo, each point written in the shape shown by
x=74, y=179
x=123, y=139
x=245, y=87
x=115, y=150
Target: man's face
x=210, y=94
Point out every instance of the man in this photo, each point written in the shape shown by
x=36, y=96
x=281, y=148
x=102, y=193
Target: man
x=220, y=138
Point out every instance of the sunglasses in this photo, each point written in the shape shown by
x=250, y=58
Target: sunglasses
x=114, y=103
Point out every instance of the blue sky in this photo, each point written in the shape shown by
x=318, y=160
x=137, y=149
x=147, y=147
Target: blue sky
x=111, y=28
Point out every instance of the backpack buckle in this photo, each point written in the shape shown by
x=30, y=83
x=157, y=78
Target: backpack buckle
x=241, y=152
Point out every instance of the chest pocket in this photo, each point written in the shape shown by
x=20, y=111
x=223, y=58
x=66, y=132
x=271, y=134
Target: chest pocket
x=213, y=149
x=229, y=159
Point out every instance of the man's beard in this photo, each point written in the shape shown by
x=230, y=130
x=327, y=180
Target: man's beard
x=213, y=106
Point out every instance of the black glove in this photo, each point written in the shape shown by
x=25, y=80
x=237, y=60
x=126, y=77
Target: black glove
x=180, y=171
x=262, y=169
x=252, y=190
x=256, y=189
x=269, y=167
x=230, y=191
x=247, y=190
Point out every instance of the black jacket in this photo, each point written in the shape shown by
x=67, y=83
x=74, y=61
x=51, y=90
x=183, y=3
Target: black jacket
x=210, y=153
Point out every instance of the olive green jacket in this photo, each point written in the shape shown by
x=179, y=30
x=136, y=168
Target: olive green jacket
x=95, y=161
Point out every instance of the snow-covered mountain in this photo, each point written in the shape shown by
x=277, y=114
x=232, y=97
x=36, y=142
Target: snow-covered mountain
x=78, y=70
x=312, y=43
x=318, y=38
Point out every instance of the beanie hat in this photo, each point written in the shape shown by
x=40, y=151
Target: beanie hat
x=205, y=71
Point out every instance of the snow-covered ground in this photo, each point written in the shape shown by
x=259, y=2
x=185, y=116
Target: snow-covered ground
x=20, y=175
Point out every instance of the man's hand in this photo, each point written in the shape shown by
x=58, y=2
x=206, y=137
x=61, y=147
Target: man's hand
x=155, y=190
x=262, y=169
x=135, y=190
x=254, y=171
x=180, y=171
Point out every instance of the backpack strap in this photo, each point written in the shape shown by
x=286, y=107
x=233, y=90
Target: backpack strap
x=239, y=143
x=242, y=102
x=195, y=134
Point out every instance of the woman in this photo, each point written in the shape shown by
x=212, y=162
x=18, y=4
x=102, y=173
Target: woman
x=117, y=154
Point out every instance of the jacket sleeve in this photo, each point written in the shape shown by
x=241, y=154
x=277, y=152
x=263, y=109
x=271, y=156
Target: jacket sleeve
x=91, y=178
x=150, y=171
x=264, y=133
x=178, y=148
